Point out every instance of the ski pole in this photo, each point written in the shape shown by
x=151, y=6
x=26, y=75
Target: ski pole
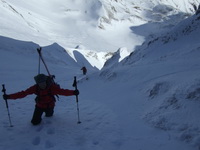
x=4, y=92
x=75, y=85
x=41, y=57
x=39, y=66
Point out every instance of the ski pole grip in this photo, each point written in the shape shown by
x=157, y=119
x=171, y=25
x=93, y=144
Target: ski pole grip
x=75, y=83
x=4, y=92
x=4, y=89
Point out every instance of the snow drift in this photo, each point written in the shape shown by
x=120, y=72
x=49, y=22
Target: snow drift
x=149, y=100
x=165, y=71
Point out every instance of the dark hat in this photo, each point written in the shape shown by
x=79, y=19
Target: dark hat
x=40, y=78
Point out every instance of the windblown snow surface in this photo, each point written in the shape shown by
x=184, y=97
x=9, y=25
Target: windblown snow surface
x=148, y=101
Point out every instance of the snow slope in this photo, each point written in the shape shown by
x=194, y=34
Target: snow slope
x=161, y=79
x=61, y=131
x=149, y=100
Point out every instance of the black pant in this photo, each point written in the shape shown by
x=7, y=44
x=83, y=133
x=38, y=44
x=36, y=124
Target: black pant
x=37, y=115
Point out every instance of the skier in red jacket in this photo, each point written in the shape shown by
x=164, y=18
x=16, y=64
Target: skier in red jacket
x=45, y=100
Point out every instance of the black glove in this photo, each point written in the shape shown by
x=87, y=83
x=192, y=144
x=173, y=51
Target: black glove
x=76, y=92
x=5, y=96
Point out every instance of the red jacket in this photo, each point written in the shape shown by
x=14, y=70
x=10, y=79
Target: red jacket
x=46, y=96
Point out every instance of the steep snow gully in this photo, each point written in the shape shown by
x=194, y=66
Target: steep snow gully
x=148, y=101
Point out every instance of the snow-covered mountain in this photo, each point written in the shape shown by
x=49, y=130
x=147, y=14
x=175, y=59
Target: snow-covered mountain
x=146, y=100
x=98, y=25
x=165, y=71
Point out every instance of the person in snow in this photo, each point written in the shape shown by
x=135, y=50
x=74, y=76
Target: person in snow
x=45, y=90
x=84, y=70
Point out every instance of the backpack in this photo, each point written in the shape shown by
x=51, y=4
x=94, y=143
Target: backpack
x=49, y=82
